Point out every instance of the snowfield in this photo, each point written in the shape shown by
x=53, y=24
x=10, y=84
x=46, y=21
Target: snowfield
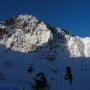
x=15, y=71
x=29, y=46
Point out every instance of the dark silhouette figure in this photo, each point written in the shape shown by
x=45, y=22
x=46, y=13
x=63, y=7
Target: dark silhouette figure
x=40, y=82
x=68, y=75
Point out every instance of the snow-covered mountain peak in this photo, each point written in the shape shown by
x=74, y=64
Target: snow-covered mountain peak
x=25, y=33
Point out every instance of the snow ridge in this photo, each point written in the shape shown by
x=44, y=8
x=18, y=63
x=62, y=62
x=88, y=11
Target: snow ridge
x=26, y=33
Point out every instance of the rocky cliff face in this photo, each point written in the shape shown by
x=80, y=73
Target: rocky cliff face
x=25, y=33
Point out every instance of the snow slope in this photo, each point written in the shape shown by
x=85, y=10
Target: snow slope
x=27, y=42
x=14, y=67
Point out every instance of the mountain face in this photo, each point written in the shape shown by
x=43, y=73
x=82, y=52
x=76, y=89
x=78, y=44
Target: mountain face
x=25, y=33
x=36, y=56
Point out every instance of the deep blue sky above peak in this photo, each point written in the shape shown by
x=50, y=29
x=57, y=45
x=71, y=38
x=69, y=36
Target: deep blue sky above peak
x=72, y=15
